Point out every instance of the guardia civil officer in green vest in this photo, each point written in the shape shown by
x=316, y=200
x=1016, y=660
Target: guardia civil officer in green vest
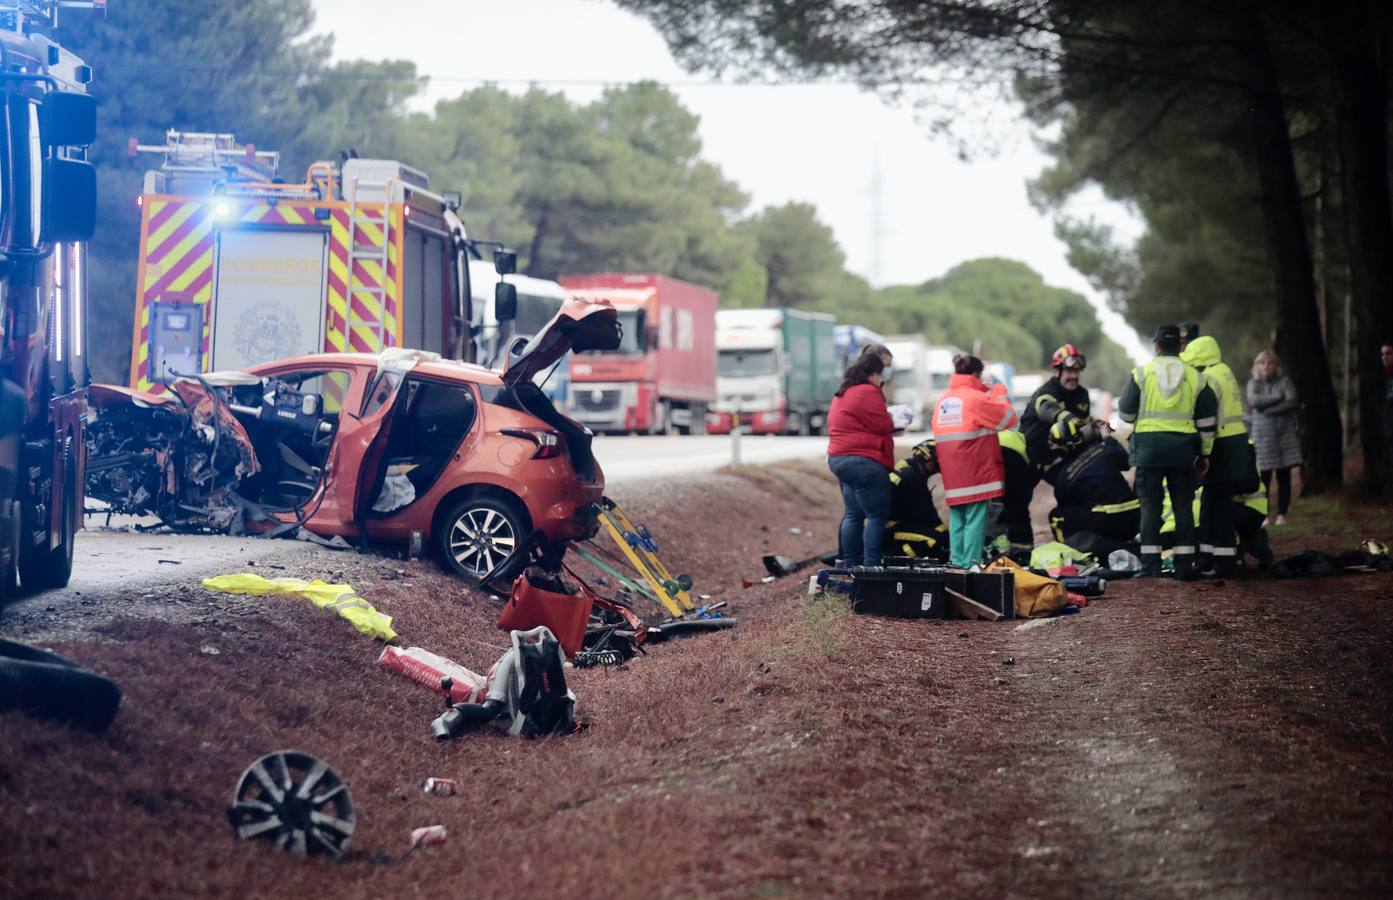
x=1173, y=412
x=1230, y=463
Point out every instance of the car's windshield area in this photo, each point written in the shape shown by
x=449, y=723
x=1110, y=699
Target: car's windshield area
x=740, y=363
x=633, y=340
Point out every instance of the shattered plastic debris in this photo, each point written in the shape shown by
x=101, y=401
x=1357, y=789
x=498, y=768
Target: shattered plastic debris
x=440, y=787
x=431, y=834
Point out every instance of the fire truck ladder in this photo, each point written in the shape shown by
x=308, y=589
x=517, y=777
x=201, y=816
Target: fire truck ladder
x=368, y=197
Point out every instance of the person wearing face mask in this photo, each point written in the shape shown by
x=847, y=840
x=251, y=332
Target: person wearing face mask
x=1060, y=399
x=861, y=453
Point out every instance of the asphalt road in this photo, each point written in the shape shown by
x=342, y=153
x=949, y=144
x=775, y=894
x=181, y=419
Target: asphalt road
x=635, y=458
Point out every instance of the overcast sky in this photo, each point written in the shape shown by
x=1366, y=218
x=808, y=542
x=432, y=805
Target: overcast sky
x=818, y=144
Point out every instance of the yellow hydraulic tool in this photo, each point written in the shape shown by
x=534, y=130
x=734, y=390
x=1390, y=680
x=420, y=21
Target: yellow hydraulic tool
x=641, y=550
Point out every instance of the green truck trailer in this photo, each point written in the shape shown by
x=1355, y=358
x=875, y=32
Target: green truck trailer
x=776, y=369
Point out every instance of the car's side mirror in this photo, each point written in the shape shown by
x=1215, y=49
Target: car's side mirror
x=505, y=262
x=505, y=301
x=68, y=119
x=69, y=200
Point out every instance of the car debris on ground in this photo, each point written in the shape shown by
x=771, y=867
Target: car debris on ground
x=295, y=802
x=526, y=693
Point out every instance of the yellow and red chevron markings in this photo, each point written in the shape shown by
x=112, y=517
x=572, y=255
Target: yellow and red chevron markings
x=177, y=262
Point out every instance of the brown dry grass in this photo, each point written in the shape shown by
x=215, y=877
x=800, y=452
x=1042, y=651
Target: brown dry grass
x=807, y=752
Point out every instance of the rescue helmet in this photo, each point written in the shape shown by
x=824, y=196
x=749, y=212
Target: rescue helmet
x=926, y=452
x=1374, y=548
x=1068, y=357
x=1065, y=435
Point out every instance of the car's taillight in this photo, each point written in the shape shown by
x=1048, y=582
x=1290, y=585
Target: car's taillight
x=549, y=443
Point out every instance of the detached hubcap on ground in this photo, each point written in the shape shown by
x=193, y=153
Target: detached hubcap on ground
x=481, y=539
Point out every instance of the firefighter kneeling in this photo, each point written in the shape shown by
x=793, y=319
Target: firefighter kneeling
x=1091, y=494
x=915, y=529
x=1249, y=511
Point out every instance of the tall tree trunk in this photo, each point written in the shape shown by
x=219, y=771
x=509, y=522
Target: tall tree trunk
x=1298, y=316
x=1363, y=78
x=534, y=253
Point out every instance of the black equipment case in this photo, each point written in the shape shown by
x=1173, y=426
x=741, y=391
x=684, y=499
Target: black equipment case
x=890, y=591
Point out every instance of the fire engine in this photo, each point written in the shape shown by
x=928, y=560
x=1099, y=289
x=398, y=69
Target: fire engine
x=47, y=213
x=238, y=267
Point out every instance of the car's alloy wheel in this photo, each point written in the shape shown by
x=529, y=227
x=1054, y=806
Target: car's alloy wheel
x=481, y=536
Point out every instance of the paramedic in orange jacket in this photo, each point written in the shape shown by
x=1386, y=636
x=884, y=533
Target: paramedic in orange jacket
x=965, y=422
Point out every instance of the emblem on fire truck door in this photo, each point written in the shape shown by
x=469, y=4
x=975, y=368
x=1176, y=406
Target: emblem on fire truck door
x=266, y=332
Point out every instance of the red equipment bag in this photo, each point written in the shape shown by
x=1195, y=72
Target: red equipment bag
x=542, y=598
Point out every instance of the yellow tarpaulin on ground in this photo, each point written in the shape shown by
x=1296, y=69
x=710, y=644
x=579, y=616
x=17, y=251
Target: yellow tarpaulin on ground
x=341, y=598
x=1036, y=595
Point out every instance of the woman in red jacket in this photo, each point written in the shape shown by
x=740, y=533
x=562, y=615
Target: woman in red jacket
x=965, y=422
x=861, y=453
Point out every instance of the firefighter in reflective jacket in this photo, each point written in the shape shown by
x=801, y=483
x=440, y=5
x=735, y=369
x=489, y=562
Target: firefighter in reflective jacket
x=1174, y=414
x=965, y=422
x=1229, y=463
x=1062, y=398
x=914, y=529
x=1090, y=491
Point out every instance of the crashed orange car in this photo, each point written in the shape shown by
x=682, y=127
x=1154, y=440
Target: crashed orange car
x=396, y=448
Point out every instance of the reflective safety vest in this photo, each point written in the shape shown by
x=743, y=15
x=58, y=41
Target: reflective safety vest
x=1012, y=439
x=1225, y=387
x=1203, y=354
x=1256, y=501
x=1168, y=391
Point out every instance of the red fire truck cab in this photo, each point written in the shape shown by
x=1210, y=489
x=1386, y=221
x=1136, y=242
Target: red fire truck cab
x=47, y=213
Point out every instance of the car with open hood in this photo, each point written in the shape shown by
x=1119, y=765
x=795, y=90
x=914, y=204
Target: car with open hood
x=400, y=447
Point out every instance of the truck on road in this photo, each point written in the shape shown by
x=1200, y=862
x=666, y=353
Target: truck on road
x=911, y=382
x=662, y=379
x=48, y=208
x=777, y=371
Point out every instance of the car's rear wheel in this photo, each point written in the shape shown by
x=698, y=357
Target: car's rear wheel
x=477, y=534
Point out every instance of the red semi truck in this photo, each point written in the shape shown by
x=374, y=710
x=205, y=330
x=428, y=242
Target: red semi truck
x=662, y=379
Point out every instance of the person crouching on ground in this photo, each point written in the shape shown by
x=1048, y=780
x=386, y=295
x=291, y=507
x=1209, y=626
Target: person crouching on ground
x=861, y=453
x=915, y=529
x=966, y=420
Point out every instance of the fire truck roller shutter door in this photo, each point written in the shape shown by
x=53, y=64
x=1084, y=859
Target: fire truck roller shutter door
x=269, y=303
x=425, y=285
